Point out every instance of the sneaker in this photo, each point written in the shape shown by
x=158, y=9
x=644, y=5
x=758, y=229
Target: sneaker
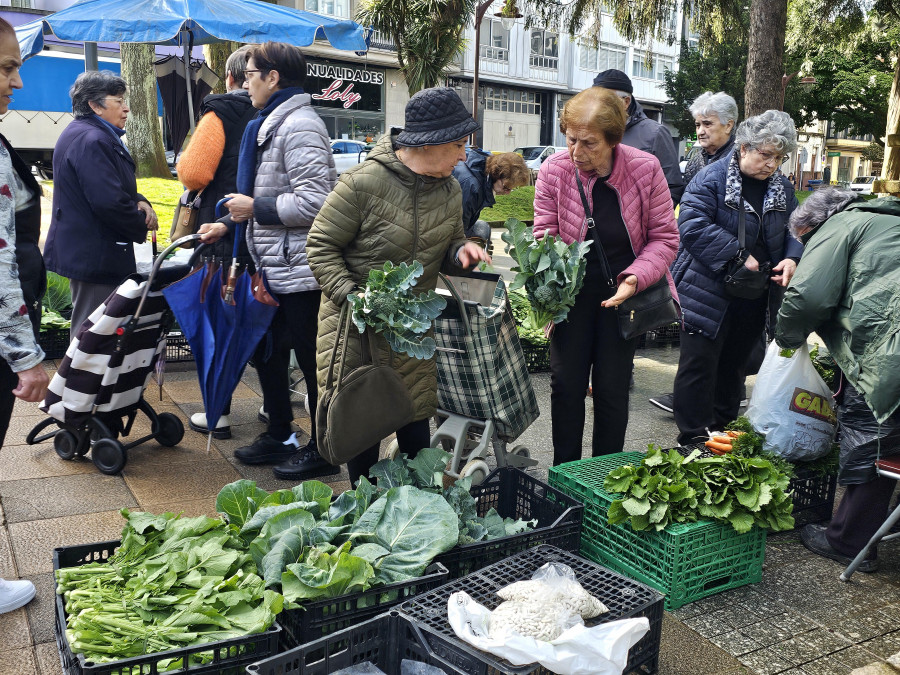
x=664, y=402
x=222, y=430
x=307, y=463
x=15, y=594
x=266, y=450
x=262, y=415
x=813, y=538
x=745, y=402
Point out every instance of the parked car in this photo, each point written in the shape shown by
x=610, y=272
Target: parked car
x=347, y=154
x=534, y=155
x=863, y=184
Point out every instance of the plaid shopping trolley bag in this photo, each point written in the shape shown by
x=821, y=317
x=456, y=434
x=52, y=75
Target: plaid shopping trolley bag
x=482, y=371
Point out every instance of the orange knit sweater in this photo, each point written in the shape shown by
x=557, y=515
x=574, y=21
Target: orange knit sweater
x=199, y=161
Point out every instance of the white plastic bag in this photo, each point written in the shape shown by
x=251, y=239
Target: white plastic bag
x=792, y=406
x=599, y=650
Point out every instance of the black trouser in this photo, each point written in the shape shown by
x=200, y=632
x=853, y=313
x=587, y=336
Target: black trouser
x=711, y=371
x=411, y=438
x=589, y=338
x=863, y=509
x=294, y=327
x=8, y=381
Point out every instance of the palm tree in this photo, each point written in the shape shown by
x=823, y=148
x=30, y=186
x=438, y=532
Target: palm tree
x=428, y=35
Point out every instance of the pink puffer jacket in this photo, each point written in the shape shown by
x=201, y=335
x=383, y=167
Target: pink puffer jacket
x=644, y=199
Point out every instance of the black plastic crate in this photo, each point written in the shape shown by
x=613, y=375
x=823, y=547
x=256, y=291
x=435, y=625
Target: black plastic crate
x=54, y=342
x=229, y=657
x=537, y=357
x=813, y=492
x=515, y=494
x=322, y=617
x=384, y=641
x=177, y=348
x=624, y=597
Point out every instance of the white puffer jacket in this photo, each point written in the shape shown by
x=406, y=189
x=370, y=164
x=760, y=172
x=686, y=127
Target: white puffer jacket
x=294, y=173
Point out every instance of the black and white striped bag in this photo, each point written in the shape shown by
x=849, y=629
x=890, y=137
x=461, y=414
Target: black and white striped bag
x=94, y=377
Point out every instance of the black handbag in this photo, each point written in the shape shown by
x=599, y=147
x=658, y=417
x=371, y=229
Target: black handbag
x=363, y=406
x=652, y=308
x=741, y=282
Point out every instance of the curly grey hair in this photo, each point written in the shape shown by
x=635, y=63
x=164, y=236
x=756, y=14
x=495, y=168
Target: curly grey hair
x=819, y=207
x=719, y=104
x=772, y=127
x=94, y=86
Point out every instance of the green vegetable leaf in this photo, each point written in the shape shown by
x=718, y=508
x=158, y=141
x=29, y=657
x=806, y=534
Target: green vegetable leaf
x=391, y=473
x=427, y=467
x=326, y=575
x=238, y=501
x=314, y=491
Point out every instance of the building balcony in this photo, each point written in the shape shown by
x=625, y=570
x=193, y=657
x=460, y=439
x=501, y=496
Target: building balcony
x=382, y=41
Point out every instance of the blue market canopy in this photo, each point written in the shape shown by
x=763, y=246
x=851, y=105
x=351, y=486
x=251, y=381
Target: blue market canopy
x=179, y=22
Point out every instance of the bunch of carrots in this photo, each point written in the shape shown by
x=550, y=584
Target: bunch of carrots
x=722, y=445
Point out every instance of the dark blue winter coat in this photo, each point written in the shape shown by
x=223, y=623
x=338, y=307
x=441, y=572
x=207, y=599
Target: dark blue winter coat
x=477, y=187
x=708, y=224
x=95, y=218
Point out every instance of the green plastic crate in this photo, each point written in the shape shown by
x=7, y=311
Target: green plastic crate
x=686, y=561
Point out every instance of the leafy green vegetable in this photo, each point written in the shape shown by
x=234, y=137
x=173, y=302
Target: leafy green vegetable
x=413, y=525
x=550, y=271
x=669, y=488
x=51, y=320
x=390, y=306
x=324, y=574
x=173, y=582
x=521, y=309
x=58, y=297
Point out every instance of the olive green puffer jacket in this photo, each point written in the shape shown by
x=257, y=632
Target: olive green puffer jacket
x=380, y=210
x=847, y=290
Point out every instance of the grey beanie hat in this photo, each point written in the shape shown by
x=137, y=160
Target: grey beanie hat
x=436, y=116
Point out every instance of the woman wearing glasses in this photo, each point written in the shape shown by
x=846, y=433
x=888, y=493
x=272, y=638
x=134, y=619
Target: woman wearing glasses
x=98, y=214
x=719, y=330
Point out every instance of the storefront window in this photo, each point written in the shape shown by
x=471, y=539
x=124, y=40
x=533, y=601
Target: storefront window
x=348, y=97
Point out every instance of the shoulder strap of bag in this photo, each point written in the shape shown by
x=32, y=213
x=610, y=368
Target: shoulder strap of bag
x=589, y=219
x=344, y=329
x=742, y=224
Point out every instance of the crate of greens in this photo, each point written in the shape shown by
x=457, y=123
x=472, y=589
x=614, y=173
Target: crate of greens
x=149, y=604
x=687, y=526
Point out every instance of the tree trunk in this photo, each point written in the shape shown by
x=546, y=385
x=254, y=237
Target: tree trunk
x=765, y=62
x=143, y=130
x=891, y=168
x=216, y=55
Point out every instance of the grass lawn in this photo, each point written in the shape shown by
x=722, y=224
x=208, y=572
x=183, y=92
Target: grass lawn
x=163, y=193
x=517, y=204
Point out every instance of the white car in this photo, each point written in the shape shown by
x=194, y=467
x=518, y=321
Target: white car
x=534, y=155
x=863, y=184
x=347, y=154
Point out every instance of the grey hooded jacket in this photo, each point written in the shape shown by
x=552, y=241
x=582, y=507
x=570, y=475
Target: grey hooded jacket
x=294, y=173
x=644, y=134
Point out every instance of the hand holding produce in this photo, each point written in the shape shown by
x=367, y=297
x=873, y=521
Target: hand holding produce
x=551, y=271
x=389, y=305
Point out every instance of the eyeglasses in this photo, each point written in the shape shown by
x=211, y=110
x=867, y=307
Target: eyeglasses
x=769, y=157
x=247, y=72
x=121, y=100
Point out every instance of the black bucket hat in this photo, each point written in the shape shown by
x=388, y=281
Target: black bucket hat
x=434, y=117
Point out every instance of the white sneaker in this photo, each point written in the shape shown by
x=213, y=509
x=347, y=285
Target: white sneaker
x=15, y=594
x=262, y=415
x=222, y=430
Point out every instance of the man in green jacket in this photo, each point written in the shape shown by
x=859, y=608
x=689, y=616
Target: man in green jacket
x=847, y=290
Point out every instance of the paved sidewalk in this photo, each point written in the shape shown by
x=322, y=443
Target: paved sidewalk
x=799, y=619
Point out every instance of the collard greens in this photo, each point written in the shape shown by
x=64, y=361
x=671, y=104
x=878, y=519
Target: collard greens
x=669, y=488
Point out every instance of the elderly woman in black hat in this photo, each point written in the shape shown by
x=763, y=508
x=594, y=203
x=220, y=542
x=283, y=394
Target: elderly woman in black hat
x=401, y=204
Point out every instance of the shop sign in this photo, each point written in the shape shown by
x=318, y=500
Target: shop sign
x=337, y=86
x=834, y=154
